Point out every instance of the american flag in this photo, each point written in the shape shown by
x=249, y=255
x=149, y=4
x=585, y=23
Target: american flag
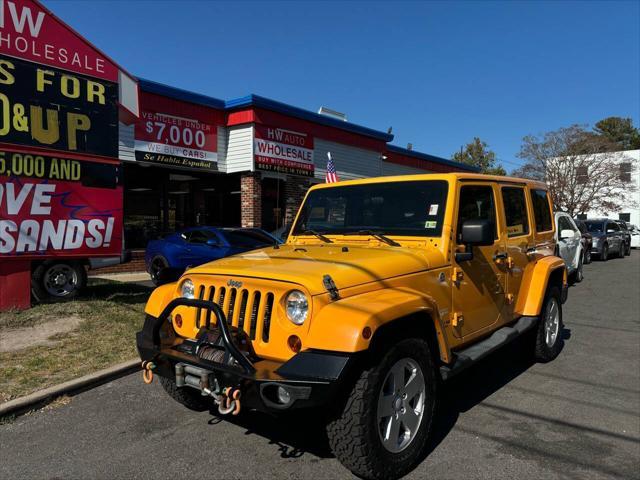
x=331, y=176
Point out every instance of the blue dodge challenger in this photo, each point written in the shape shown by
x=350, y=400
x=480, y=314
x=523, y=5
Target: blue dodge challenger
x=167, y=258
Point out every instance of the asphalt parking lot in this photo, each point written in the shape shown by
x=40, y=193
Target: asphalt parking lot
x=575, y=418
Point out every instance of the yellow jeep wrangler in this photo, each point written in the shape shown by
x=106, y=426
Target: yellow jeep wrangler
x=384, y=288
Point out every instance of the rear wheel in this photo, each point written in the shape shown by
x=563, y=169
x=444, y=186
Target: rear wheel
x=382, y=430
x=187, y=396
x=56, y=281
x=549, y=330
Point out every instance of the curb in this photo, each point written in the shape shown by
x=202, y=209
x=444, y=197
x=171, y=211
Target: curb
x=87, y=382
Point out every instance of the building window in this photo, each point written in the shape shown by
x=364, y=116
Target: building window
x=582, y=175
x=625, y=172
x=625, y=217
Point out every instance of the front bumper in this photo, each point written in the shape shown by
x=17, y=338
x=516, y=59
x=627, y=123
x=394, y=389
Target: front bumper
x=312, y=378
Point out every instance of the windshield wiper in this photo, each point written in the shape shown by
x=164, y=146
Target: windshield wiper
x=377, y=235
x=317, y=234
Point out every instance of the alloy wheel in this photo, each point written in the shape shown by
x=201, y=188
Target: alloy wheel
x=551, y=322
x=401, y=404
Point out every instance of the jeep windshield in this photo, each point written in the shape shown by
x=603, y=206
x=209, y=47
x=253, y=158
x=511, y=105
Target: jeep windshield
x=409, y=208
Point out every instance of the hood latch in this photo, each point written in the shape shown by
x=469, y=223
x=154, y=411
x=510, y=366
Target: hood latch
x=330, y=286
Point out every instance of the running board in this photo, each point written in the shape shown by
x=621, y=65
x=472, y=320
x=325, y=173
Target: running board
x=467, y=357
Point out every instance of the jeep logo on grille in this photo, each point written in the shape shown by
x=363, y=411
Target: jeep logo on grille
x=234, y=283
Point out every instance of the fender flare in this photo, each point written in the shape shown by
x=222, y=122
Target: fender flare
x=534, y=285
x=160, y=298
x=338, y=326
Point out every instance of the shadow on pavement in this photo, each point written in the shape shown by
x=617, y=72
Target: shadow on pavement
x=298, y=433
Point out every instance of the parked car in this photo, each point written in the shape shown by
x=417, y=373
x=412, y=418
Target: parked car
x=385, y=288
x=626, y=234
x=607, y=237
x=587, y=240
x=167, y=258
x=569, y=246
x=635, y=236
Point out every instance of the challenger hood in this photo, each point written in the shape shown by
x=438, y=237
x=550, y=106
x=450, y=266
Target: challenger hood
x=306, y=265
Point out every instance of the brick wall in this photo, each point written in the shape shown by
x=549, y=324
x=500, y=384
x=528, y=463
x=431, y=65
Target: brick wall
x=295, y=190
x=136, y=264
x=250, y=200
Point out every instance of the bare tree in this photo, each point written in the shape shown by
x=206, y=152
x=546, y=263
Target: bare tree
x=582, y=172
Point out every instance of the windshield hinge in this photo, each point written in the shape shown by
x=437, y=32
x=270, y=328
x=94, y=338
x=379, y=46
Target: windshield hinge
x=330, y=286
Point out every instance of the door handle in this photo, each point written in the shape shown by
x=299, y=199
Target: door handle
x=498, y=257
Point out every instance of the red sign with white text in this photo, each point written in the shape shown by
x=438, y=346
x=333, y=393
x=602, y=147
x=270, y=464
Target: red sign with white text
x=284, y=151
x=177, y=133
x=29, y=31
x=52, y=206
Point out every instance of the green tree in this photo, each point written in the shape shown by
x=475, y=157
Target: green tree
x=620, y=132
x=477, y=154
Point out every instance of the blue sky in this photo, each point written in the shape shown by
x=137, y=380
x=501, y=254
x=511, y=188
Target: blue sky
x=440, y=73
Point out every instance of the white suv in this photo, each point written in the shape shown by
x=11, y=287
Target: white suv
x=569, y=246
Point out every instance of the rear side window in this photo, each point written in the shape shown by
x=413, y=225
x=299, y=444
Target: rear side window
x=476, y=203
x=541, y=210
x=515, y=211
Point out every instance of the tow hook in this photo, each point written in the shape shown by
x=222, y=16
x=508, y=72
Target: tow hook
x=147, y=371
x=228, y=402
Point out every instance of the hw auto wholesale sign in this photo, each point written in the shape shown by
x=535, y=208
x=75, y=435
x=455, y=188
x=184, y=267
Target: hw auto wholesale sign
x=53, y=206
x=59, y=189
x=175, y=133
x=284, y=151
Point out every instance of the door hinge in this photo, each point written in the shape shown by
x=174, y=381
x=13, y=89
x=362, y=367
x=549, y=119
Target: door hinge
x=457, y=319
x=456, y=275
x=510, y=298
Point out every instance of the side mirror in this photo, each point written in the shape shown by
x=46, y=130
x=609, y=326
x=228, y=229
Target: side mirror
x=566, y=234
x=610, y=230
x=475, y=233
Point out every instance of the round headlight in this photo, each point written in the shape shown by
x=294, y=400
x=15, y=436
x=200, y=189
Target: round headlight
x=187, y=290
x=297, y=307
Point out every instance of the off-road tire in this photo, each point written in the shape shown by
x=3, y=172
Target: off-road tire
x=39, y=291
x=187, y=396
x=353, y=432
x=544, y=353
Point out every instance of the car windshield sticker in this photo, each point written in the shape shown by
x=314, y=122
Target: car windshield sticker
x=430, y=224
x=433, y=209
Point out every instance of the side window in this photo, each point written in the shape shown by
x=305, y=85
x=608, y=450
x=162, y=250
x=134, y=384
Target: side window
x=541, y=210
x=564, y=224
x=200, y=236
x=515, y=211
x=613, y=226
x=476, y=203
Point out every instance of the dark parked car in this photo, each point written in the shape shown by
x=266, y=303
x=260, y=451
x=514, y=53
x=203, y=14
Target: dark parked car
x=587, y=240
x=167, y=258
x=626, y=233
x=607, y=237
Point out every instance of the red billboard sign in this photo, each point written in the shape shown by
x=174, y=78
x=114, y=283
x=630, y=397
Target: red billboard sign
x=284, y=151
x=51, y=206
x=31, y=32
x=172, y=132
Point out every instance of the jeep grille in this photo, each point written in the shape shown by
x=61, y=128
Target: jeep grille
x=246, y=309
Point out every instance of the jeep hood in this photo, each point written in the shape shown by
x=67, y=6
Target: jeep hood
x=306, y=265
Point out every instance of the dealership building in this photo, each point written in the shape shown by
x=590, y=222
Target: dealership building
x=94, y=160
x=192, y=159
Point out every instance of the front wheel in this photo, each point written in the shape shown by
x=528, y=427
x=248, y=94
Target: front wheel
x=627, y=250
x=578, y=275
x=587, y=256
x=382, y=430
x=604, y=255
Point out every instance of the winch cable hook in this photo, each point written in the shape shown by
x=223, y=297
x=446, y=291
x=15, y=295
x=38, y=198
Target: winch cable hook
x=147, y=373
